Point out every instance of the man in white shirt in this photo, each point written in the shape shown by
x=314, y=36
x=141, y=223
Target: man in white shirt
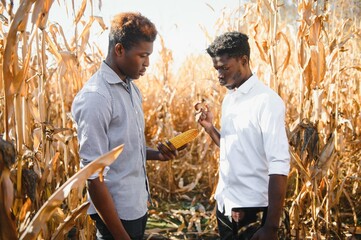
x=254, y=156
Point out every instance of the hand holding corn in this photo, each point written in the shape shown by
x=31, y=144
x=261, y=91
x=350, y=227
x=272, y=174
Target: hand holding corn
x=168, y=150
x=183, y=138
x=165, y=152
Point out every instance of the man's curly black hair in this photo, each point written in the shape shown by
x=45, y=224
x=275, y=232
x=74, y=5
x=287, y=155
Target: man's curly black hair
x=130, y=28
x=234, y=44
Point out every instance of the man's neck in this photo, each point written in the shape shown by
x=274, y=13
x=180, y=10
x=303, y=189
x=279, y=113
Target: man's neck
x=108, y=61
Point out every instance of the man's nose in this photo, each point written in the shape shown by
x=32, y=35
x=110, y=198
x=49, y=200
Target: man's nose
x=146, y=62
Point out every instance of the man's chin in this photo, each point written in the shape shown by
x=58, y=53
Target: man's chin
x=139, y=75
x=230, y=87
x=224, y=84
x=135, y=76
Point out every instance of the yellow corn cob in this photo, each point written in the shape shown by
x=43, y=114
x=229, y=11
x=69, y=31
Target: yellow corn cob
x=184, y=138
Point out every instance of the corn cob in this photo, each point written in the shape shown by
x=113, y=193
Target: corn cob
x=183, y=138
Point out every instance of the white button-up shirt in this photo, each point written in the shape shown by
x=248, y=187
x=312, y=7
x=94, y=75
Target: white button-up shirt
x=253, y=145
x=108, y=112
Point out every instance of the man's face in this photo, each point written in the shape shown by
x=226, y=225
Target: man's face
x=134, y=61
x=231, y=70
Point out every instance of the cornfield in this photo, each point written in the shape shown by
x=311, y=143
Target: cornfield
x=307, y=51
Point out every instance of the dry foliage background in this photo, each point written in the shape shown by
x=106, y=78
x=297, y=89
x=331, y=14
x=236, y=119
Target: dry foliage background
x=307, y=51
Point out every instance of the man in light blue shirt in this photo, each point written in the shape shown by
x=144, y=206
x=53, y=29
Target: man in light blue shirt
x=108, y=112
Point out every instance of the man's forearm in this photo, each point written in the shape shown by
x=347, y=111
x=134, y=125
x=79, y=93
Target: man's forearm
x=276, y=196
x=214, y=134
x=105, y=207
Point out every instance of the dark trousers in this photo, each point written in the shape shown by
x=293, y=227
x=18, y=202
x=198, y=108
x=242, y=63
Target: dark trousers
x=253, y=219
x=134, y=228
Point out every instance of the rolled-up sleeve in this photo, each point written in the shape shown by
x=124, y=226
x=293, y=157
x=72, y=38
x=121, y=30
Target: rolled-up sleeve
x=92, y=113
x=274, y=136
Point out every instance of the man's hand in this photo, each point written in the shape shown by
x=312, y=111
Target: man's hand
x=165, y=153
x=276, y=195
x=105, y=207
x=203, y=116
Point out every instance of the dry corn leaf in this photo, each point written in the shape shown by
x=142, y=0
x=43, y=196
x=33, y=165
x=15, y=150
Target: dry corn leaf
x=48, y=170
x=304, y=54
x=25, y=209
x=317, y=96
x=331, y=58
x=80, y=12
x=297, y=159
x=318, y=63
x=69, y=221
x=100, y=21
x=350, y=202
x=305, y=10
x=355, y=230
x=84, y=36
x=55, y=30
x=326, y=153
x=269, y=5
x=208, y=5
x=19, y=121
x=287, y=56
x=41, y=13
x=315, y=31
x=52, y=47
x=25, y=18
x=42, y=106
x=263, y=50
x=10, y=54
x=58, y=215
x=358, y=68
x=4, y=20
x=69, y=59
x=79, y=178
x=190, y=186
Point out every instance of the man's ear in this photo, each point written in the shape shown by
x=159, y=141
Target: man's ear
x=244, y=60
x=119, y=49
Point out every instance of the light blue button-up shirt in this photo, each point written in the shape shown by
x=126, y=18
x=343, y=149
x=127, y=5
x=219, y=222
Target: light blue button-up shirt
x=108, y=112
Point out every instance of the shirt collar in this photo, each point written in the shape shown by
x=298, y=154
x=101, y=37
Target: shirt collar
x=112, y=77
x=246, y=86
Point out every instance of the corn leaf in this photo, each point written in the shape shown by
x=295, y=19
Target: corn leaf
x=47, y=209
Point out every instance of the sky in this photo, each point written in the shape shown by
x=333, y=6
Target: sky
x=178, y=22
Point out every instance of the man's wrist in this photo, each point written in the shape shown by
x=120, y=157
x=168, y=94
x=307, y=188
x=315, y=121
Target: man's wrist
x=209, y=130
